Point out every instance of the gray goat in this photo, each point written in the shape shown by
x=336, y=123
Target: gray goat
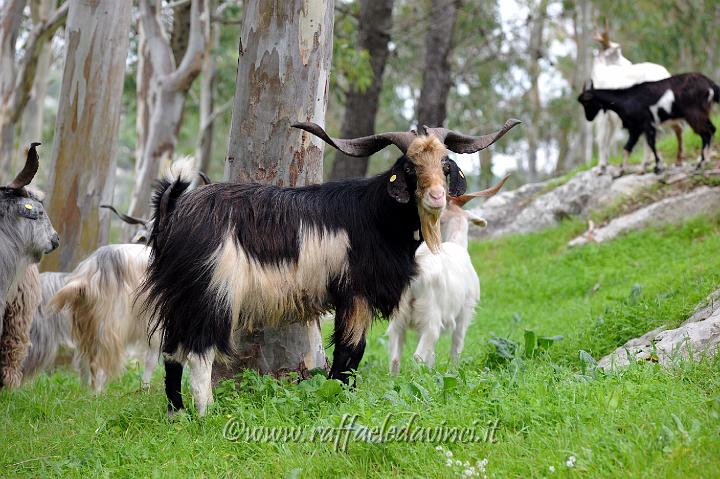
x=25, y=235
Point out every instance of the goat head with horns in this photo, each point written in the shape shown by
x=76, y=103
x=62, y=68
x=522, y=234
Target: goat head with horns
x=422, y=169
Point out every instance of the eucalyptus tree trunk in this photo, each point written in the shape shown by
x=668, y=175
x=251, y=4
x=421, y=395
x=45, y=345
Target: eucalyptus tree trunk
x=169, y=85
x=583, y=19
x=285, y=54
x=432, y=106
x=86, y=132
x=361, y=107
x=536, y=23
x=203, y=152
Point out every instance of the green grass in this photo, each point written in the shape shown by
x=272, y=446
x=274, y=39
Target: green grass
x=643, y=422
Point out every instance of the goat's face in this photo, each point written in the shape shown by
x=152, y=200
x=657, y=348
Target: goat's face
x=590, y=104
x=420, y=173
x=25, y=227
x=25, y=223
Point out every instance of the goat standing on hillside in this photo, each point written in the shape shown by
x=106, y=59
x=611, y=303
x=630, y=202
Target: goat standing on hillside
x=645, y=106
x=611, y=70
x=25, y=235
x=237, y=256
x=443, y=296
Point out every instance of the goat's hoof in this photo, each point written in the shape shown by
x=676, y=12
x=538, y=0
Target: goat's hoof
x=621, y=172
x=601, y=171
x=658, y=170
x=172, y=413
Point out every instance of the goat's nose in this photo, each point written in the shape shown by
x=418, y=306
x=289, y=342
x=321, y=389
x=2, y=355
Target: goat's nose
x=437, y=193
x=54, y=241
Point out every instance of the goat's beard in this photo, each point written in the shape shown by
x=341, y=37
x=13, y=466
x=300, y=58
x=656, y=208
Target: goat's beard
x=430, y=228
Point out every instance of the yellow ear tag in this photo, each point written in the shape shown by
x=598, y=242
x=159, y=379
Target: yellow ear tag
x=28, y=206
x=393, y=178
x=461, y=173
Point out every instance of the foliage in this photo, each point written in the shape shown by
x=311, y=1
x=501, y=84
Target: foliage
x=549, y=409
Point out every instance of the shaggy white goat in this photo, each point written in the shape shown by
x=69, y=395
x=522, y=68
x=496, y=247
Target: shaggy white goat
x=611, y=70
x=443, y=295
x=99, y=296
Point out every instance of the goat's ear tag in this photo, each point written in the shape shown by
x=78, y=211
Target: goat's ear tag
x=28, y=206
x=28, y=211
x=393, y=178
x=460, y=172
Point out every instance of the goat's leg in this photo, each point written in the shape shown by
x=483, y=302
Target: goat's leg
x=627, y=149
x=604, y=131
x=151, y=360
x=425, y=351
x=396, y=333
x=650, y=134
x=200, y=365
x=173, y=384
x=677, y=128
x=461, y=327
x=351, y=325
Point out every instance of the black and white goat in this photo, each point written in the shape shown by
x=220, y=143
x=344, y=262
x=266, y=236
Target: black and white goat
x=643, y=107
x=25, y=235
x=236, y=256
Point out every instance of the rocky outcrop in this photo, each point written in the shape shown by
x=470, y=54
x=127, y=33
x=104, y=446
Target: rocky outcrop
x=696, y=337
x=536, y=206
x=672, y=210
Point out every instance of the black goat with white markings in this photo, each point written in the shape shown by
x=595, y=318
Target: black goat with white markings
x=231, y=257
x=644, y=106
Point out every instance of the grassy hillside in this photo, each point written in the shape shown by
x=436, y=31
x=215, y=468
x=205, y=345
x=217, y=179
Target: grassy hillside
x=551, y=413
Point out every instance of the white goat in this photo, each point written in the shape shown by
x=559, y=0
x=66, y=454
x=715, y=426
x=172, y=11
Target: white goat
x=611, y=70
x=99, y=296
x=443, y=295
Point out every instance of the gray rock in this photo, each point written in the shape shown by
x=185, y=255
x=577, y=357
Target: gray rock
x=672, y=210
x=696, y=337
x=526, y=209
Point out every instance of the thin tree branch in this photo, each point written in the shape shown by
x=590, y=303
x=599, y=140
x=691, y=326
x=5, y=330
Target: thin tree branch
x=191, y=63
x=39, y=36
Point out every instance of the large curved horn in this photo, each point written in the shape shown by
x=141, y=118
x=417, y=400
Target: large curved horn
x=365, y=146
x=460, y=143
x=603, y=38
x=463, y=199
x=28, y=172
x=126, y=218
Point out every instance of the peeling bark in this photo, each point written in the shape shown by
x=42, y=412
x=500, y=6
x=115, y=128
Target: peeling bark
x=374, y=28
x=282, y=79
x=86, y=132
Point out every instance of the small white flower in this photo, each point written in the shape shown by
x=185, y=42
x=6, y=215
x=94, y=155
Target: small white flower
x=448, y=453
x=570, y=461
x=438, y=448
x=467, y=473
x=551, y=468
x=449, y=463
x=458, y=462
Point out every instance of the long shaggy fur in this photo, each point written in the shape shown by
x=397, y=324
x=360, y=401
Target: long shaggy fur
x=21, y=305
x=99, y=296
x=51, y=342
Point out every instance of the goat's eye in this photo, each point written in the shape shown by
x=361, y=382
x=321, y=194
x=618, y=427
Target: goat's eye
x=409, y=169
x=446, y=167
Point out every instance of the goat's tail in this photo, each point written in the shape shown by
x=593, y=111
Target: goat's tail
x=168, y=189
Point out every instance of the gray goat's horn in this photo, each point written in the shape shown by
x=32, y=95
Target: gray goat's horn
x=204, y=177
x=28, y=172
x=460, y=143
x=126, y=218
x=365, y=146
